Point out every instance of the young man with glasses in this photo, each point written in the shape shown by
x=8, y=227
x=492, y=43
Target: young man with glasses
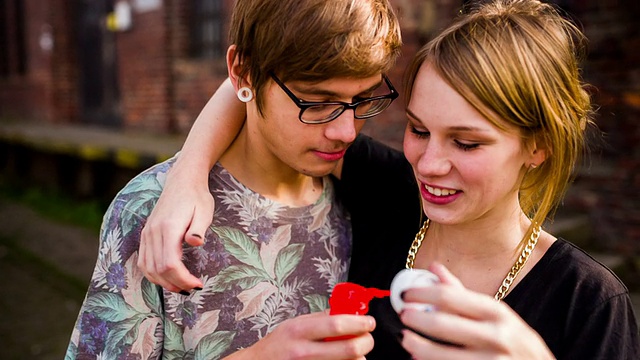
x=280, y=239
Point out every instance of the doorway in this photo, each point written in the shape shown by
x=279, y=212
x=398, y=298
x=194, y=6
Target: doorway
x=99, y=93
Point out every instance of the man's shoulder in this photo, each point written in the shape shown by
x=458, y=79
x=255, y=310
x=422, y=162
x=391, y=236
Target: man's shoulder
x=138, y=197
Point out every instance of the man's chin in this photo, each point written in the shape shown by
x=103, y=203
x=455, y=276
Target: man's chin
x=319, y=171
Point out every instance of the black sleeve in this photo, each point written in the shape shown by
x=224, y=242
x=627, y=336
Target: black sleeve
x=609, y=331
x=578, y=306
x=600, y=322
x=379, y=190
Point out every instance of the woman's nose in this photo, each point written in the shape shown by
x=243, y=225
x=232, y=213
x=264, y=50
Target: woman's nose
x=434, y=160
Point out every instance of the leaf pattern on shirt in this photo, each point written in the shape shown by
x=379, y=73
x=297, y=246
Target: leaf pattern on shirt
x=269, y=251
x=251, y=266
x=253, y=299
x=254, y=279
x=108, y=259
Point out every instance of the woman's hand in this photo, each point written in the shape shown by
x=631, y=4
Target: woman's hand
x=303, y=337
x=482, y=327
x=185, y=209
x=183, y=212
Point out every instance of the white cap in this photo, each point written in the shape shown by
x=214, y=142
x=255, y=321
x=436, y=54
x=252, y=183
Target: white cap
x=407, y=279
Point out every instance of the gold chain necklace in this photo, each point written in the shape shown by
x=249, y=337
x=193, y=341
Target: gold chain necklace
x=511, y=275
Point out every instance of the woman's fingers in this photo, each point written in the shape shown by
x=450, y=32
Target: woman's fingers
x=200, y=222
x=454, y=329
x=457, y=300
x=445, y=276
x=468, y=325
x=160, y=258
x=424, y=349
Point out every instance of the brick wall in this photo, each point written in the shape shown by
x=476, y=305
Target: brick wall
x=162, y=88
x=47, y=91
x=62, y=91
x=194, y=80
x=144, y=73
x=26, y=94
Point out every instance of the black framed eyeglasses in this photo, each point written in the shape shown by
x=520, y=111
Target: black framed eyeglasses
x=320, y=112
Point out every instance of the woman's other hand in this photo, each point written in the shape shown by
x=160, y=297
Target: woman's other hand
x=481, y=327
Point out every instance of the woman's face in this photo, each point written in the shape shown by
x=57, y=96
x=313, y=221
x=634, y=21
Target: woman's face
x=467, y=168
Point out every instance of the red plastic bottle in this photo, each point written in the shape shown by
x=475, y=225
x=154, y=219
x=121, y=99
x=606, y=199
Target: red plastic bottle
x=350, y=298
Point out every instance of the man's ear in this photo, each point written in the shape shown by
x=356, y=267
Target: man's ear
x=234, y=69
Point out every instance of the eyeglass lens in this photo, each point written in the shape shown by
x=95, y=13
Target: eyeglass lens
x=364, y=110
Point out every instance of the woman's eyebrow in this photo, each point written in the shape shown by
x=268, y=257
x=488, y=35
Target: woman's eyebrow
x=411, y=114
x=461, y=128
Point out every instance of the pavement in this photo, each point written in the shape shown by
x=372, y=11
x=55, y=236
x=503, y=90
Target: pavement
x=46, y=267
x=129, y=149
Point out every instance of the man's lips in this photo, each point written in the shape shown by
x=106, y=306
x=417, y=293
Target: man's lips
x=330, y=156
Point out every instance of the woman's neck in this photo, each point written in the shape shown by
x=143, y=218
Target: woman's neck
x=478, y=253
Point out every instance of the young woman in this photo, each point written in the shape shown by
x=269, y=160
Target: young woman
x=497, y=120
x=497, y=115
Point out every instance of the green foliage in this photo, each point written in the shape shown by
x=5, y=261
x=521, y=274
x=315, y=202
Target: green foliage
x=55, y=205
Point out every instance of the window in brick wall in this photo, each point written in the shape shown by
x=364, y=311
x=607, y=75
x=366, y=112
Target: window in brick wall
x=207, y=31
x=13, y=57
x=4, y=54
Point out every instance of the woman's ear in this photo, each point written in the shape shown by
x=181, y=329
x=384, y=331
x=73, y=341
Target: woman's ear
x=234, y=69
x=537, y=152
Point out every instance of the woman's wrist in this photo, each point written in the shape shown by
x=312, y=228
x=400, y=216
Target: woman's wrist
x=188, y=168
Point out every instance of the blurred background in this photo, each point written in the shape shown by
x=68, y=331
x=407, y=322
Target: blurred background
x=94, y=91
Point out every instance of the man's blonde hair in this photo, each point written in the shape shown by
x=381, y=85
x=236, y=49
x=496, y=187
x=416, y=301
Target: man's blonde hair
x=313, y=40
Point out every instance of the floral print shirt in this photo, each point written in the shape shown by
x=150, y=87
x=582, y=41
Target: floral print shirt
x=262, y=263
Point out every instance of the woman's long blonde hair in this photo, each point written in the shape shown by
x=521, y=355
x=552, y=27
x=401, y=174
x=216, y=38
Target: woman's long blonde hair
x=519, y=60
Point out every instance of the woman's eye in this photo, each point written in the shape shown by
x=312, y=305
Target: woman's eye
x=419, y=133
x=465, y=146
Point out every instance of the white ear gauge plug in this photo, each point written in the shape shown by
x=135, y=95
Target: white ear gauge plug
x=245, y=94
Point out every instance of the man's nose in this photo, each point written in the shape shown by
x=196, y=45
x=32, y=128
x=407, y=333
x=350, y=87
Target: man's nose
x=343, y=127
